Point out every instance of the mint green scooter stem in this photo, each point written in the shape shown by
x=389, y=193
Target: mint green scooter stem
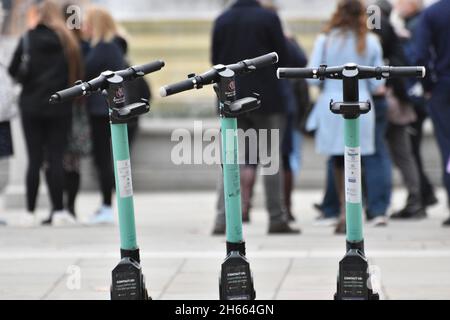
x=124, y=186
x=353, y=196
x=231, y=177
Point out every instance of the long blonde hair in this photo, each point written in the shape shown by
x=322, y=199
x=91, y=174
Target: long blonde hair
x=104, y=28
x=51, y=16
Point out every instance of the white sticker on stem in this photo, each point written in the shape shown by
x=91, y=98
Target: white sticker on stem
x=353, y=175
x=124, y=177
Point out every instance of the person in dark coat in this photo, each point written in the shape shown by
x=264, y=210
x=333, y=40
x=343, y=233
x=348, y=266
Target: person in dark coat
x=409, y=11
x=247, y=30
x=54, y=63
x=432, y=47
x=105, y=54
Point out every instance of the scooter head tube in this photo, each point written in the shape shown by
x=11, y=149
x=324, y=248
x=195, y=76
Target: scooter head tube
x=241, y=106
x=236, y=279
x=350, y=110
x=129, y=112
x=354, y=278
x=128, y=282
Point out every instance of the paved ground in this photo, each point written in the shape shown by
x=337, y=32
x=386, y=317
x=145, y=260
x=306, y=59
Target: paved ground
x=181, y=260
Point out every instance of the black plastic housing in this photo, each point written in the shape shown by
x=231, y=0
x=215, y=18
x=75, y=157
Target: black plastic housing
x=354, y=278
x=128, y=282
x=236, y=279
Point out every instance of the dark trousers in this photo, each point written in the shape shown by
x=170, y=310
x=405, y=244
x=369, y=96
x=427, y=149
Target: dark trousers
x=439, y=109
x=102, y=152
x=272, y=183
x=46, y=141
x=426, y=187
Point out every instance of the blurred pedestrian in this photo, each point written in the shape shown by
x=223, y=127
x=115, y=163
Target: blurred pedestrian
x=7, y=109
x=346, y=38
x=79, y=139
x=105, y=54
x=400, y=114
x=432, y=47
x=295, y=97
x=243, y=31
x=134, y=90
x=46, y=60
x=297, y=101
x=409, y=11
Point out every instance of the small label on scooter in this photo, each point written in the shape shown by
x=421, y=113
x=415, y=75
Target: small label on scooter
x=353, y=175
x=124, y=178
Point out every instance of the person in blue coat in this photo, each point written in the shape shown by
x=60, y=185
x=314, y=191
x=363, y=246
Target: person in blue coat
x=346, y=40
x=432, y=47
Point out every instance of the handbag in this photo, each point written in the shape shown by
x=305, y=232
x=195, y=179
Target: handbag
x=399, y=113
x=80, y=142
x=24, y=66
x=6, y=142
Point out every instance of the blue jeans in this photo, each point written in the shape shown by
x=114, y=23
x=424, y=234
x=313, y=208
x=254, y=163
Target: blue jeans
x=378, y=167
x=439, y=109
x=377, y=172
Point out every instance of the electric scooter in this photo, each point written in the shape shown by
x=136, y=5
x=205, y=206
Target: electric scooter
x=236, y=281
x=354, y=279
x=128, y=281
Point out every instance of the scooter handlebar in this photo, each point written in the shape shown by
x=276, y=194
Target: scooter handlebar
x=364, y=72
x=139, y=71
x=417, y=72
x=79, y=90
x=178, y=87
x=262, y=61
x=293, y=73
x=210, y=77
x=86, y=88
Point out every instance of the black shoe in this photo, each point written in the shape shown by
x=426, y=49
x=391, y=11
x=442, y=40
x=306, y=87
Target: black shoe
x=430, y=200
x=318, y=207
x=47, y=222
x=290, y=217
x=446, y=223
x=410, y=213
x=282, y=228
x=219, y=230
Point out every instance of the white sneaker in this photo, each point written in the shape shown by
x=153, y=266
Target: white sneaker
x=380, y=221
x=103, y=216
x=27, y=220
x=325, y=222
x=62, y=219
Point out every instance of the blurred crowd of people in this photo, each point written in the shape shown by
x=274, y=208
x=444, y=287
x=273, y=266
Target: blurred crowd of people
x=50, y=57
x=390, y=135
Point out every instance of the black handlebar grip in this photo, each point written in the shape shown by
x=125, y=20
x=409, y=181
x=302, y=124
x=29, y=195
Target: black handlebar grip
x=262, y=61
x=150, y=67
x=68, y=94
x=177, y=87
x=295, y=73
x=418, y=72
